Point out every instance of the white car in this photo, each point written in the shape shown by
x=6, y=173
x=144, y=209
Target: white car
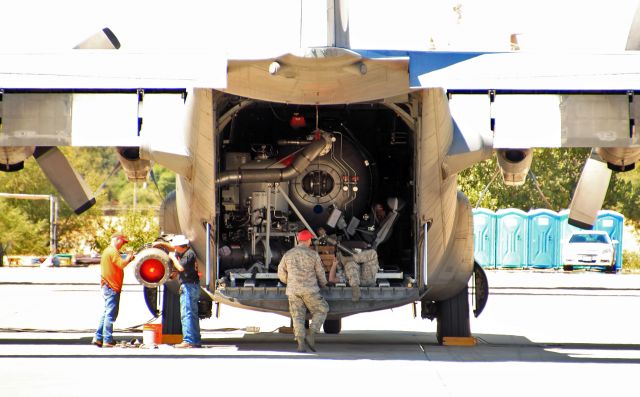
x=589, y=248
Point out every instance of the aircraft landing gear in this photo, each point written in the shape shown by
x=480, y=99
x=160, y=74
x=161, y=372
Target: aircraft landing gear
x=332, y=326
x=452, y=316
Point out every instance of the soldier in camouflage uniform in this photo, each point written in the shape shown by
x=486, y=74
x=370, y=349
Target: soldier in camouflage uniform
x=301, y=269
x=359, y=270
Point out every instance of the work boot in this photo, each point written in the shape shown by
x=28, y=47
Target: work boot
x=302, y=346
x=355, y=293
x=311, y=339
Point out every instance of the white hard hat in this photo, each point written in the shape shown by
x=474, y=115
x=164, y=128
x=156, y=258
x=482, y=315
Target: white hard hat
x=178, y=240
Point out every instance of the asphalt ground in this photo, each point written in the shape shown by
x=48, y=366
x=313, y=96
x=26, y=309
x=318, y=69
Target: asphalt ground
x=542, y=332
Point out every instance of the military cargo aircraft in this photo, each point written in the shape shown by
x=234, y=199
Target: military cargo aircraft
x=360, y=146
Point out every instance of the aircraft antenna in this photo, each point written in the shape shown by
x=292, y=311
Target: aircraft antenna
x=535, y=182
x=486, y=188
x=113, y=171
x=152, y=175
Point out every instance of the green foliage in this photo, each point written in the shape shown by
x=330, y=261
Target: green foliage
x=140, y=227
x=630, y=261
x=27, y=222
x=557, y=172
x=19, y=235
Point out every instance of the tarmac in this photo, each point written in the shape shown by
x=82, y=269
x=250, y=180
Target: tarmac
x=542, y=332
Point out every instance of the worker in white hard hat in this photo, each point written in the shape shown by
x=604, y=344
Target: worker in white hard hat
x=184, y=261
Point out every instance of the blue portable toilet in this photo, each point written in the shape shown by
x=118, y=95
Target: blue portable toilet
x=511, y=238
x=612, y=222
x=543, y=229
x=484, y=237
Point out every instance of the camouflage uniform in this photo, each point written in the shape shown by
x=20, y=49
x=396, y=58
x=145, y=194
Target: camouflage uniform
x=361, y=268
x=369, y=267
x=301, y=269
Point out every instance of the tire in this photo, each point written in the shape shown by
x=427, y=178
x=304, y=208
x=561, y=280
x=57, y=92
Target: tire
x=567, y=268
x=332, y=326
x=453, y=316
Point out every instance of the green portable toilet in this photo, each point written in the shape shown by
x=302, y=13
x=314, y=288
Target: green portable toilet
x=543, y=231
x=484, y=237
x=612, y=222
x=511, y=238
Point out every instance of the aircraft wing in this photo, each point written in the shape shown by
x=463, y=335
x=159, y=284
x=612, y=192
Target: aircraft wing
x=97, y=98
x=108, y=70
x=524, y=100
x=535, y=99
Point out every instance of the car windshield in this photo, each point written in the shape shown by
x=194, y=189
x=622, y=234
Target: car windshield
x=588, y=238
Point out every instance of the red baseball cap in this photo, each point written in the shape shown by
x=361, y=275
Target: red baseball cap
x=121, y=237
x=304, y=235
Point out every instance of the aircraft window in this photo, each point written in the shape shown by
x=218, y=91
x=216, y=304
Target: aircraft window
x=577, y=238
x=588, y=238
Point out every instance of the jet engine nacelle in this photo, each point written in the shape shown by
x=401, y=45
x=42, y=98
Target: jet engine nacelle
x=514, y=164
x=619, y=159
x=136, y=168
x=12, y=158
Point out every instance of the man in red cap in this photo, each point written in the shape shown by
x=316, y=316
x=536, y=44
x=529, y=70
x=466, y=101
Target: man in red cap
x=301, y=269
x=112, y=274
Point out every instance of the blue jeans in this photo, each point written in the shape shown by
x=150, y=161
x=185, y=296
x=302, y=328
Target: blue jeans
x=111, y=305
x=189, y=296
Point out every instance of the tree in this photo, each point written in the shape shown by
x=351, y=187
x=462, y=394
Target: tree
x=18, y=234
x=141, y=227
x=557, y=172
x=94, y=164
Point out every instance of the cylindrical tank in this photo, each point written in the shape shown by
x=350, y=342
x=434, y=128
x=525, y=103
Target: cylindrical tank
x=238, y=255
x=340, y=179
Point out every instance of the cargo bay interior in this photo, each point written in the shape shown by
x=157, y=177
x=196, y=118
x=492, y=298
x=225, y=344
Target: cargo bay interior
x=358, y=194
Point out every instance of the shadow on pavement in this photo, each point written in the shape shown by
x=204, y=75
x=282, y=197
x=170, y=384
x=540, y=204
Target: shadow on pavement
x=349, y=345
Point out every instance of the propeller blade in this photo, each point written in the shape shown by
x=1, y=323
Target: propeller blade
x=64, y=178
x=589, y=195
x=103, y=40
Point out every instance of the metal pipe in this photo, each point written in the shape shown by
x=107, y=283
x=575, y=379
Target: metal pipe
x=299, y=164
x=293, y=207
x=26, y=196
x=306, y=224
x=342, y=247
x=292, y=142
x=207, y=255
x=52, y=226
x=425, y=252
x=267, y=246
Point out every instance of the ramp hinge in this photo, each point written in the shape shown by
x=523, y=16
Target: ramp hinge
x=1, y=107
x=492, y=119
x=140, y=108
x=632, y=116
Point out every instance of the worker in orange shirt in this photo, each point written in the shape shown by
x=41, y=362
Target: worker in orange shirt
x=112, y=274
